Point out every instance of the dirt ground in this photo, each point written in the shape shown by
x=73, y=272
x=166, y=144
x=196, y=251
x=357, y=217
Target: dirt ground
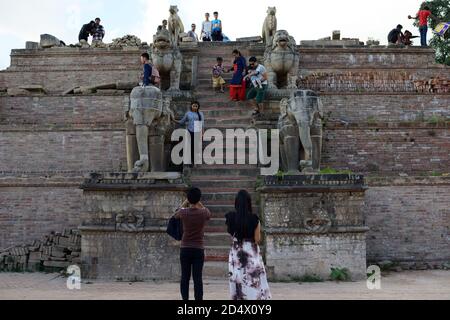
x=422, y=285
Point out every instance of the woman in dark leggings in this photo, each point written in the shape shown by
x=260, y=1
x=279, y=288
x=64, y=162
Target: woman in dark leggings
x=194, y=217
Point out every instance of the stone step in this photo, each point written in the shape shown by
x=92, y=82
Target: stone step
x=233, y=120
x=241, y=184
x=216, y=222
x=219, y=211
x=231, y=170
x=217, y=252
x=222, y=228
x=216, y=270
x=223, y=112
x=219, y=98
x=217, y=239
x=222, y=190
x=220, y=196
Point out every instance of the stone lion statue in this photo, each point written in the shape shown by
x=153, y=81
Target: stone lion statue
x=147, y=117
x=175, y=25
x=282, y=61
x=270, y=26
x=167, y=59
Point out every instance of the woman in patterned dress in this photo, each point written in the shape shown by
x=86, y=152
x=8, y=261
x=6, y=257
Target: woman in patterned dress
x=248, y=278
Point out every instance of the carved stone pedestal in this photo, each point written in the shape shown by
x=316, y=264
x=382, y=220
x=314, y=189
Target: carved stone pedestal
x=312, y=224
x=123, y=234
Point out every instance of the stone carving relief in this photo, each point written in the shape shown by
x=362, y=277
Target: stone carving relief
x=319, y=220
x=130, y=222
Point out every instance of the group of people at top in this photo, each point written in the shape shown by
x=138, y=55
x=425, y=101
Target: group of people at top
x=211, y=29
x=94, y=29
x=249, y=82
x=396, y=36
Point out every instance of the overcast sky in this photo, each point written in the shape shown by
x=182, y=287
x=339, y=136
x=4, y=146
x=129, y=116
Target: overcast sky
x=25, y=20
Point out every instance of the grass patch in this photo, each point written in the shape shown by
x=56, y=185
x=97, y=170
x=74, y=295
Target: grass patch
x=437, y=119
x=371, y=120
x=340, y=274
x=436, y=174
x=334, y=171
x=307, y=278
x=310, y=279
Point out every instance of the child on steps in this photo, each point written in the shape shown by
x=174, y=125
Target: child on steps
x=218, y=71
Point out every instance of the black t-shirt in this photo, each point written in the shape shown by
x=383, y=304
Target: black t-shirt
x=85, y=31
x=250, y=226
x=394, y=35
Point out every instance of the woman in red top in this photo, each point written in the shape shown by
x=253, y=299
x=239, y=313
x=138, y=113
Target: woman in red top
x=423, y=16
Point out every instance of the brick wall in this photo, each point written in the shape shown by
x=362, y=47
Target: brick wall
x=366, y=57
x=363, y=108
x=388, y=151
x=28, y=213
x=71, y=110
x=409, y=220
x=47, y=151
x=388, y=134
x=45, y=110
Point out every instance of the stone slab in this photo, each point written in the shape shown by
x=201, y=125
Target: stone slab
x=330, y=43
x=250, y=39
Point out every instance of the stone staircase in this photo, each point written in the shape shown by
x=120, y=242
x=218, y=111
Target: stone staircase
x=220, y=183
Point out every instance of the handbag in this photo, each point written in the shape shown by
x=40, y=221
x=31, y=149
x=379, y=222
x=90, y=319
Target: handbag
x=175, y=228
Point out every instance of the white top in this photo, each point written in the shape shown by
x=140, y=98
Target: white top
x=207, y=29
x=260, y=69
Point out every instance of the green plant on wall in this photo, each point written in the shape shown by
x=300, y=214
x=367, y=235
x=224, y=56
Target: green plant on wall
x=310, y=279
x=329, y=170
x=340, y=274
x=371, y=120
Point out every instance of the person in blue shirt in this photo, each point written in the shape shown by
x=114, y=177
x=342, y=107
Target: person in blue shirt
x=147, y=76
x=194, y=120
x=217, y=28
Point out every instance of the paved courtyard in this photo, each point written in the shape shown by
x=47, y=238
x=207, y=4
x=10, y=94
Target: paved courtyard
x=424, y=285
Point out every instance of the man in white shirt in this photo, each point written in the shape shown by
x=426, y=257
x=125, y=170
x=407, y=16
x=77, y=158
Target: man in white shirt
x=258, y=93
x=206, y=29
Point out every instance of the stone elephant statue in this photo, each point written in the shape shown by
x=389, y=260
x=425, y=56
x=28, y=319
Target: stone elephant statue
x=305, y=108
x=146, y=122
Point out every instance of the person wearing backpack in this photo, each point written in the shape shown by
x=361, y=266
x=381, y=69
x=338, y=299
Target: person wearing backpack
x=156, y=78
x=194, y=217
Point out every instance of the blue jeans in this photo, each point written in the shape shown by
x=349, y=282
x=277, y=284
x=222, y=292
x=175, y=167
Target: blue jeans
x=423, y=36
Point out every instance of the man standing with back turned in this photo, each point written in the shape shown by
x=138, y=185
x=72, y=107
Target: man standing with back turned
x=192, y=253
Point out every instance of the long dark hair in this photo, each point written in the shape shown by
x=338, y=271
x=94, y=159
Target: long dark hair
x=243, y=206
x=198, y=110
